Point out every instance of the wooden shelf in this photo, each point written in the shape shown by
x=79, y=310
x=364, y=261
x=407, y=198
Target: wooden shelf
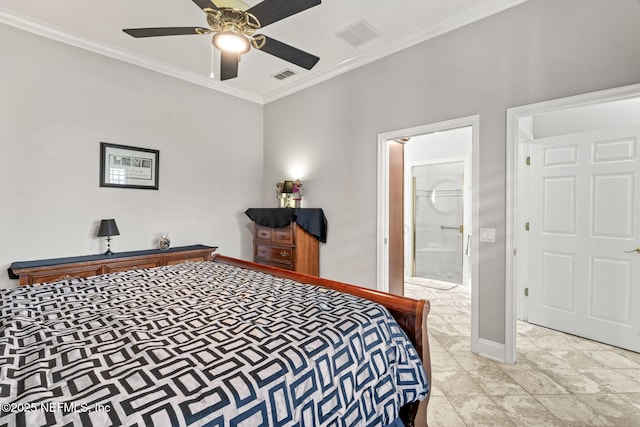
x=51, y=270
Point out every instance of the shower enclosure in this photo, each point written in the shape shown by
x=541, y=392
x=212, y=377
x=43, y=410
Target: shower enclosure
x=437, y=221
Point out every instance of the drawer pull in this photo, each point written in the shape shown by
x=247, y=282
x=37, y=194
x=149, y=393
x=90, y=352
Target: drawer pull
x=284, y=254
x=67, y=277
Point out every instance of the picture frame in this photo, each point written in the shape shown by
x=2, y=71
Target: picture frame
x=123, y=166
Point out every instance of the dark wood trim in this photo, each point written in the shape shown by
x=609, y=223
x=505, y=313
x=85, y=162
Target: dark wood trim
x=411, y=315
x=396, y=218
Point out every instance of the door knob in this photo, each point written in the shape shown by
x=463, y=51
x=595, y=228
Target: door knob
x=633, y=250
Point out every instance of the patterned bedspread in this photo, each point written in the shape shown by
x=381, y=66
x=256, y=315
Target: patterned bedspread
x=200, y=344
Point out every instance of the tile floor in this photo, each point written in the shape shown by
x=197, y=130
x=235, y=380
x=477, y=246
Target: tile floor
x=558, y=380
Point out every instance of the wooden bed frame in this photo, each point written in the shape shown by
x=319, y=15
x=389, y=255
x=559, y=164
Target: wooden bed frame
x=411, y=315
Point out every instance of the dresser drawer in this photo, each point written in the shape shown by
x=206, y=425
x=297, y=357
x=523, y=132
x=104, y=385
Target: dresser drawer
x=283, y=265
x=264, y=233
x=279, y=236
x=178, y=260
x=116, y=267
x=276, y=254
x=283, y=236
x=63, y=274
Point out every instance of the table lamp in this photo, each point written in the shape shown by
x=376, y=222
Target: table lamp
x=107, y=229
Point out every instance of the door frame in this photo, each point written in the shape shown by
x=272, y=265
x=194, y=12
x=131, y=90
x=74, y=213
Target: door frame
x=382, y=248
x=518, y=136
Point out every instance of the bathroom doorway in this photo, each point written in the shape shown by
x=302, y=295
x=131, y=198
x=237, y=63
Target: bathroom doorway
x=452, y=141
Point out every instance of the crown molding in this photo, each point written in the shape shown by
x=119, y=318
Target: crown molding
x=468, y=16
x=486, y=8
x=27, y=24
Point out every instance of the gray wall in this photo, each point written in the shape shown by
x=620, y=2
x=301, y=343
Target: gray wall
x=540, y=50
x=57, y=103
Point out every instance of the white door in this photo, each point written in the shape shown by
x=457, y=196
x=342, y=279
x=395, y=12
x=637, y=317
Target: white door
x=584, y=277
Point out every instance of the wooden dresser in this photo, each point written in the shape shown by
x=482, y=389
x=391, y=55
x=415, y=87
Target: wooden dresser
x=289, y=247
x=51, y=270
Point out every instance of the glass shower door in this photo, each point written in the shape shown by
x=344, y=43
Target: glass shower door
x=437, y=221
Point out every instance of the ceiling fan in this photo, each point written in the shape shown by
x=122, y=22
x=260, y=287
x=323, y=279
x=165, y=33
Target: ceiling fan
x=234, y=30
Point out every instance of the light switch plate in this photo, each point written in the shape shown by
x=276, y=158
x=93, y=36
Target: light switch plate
x=488, y=235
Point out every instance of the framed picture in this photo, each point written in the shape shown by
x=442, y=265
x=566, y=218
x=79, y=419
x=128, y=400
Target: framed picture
x=128, y=167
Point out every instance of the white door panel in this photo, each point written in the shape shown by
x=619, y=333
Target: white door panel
x=610, y=300
x=584, y=215
x=612, y=208
x=557, y=287
x=559, y=205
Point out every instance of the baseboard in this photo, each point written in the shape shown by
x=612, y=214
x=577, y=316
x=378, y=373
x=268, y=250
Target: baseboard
x=491, y=350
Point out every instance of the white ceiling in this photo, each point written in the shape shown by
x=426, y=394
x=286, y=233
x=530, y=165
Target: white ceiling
x=97, y=26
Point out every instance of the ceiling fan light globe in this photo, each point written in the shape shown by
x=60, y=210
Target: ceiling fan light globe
x=230, y=41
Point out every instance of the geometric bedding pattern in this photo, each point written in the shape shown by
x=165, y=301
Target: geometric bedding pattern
x=202, y=344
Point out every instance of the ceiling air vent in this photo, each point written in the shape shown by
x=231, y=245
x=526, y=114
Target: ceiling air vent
x=284, y=74
x=358, y=33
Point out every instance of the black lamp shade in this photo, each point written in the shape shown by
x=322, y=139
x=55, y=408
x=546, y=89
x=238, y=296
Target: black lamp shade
x=107, y=228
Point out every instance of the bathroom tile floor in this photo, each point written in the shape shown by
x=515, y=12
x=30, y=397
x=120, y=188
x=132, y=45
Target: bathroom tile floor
x=558, y=379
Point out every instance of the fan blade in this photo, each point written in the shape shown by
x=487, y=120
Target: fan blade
x=228, y=65
x=270, y=11
x=167, y=31
x=203, y=4
x=289, y=53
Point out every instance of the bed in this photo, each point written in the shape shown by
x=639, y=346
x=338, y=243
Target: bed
x=226, y=342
